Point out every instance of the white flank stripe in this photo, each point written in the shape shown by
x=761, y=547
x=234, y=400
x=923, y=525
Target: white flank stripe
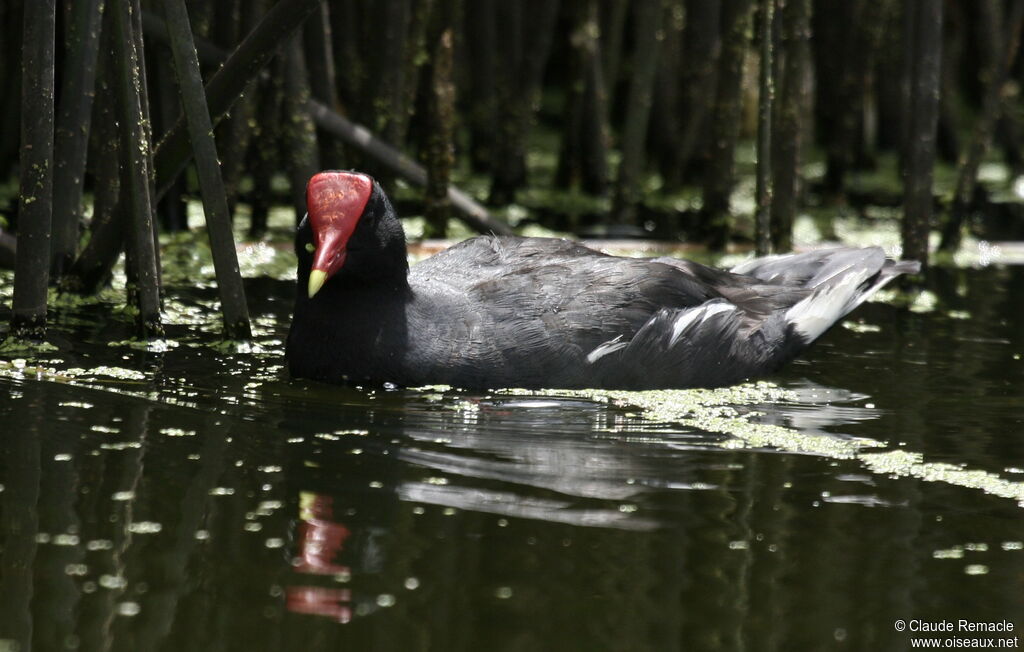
x=611, y=346
x=696, y=315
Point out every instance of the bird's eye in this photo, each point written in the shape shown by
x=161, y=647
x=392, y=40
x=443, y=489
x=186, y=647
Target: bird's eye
x=310, y=248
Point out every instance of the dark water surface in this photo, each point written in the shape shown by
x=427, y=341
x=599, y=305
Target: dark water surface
x=193, y=497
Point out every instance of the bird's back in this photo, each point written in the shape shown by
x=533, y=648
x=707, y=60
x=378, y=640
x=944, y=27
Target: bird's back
x=542, y=312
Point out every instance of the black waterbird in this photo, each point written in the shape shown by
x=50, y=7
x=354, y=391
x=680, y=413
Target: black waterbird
x=543, y=312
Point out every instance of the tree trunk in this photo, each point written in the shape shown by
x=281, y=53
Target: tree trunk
x=322, y=79
x=171, y=207
x=480, y=110
x=766, y=97
x=236, y=138
x=922, y=119
x=211, y=185
x=388, y=45
x=72, y=131
x=613, y=30
x=346, y=16
x=266, y=154
x=888, y=74
x=853, y=29
x=795, y=28
x=135, y=166
x=663, y=131
x=299, y=136
x=439, y=150
x=12, y=23
x=32, y=265
x=702, y=46
x=716, y=221
x=92, y=268
x=583, y=158
x=984, y=125
x=525, y=46
x=647, y=36
x=1011, y=136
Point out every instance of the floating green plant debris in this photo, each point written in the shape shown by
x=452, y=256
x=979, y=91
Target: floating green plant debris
x=153, y=346
x=120, y=373
x=12, y=345
x=922, y=301
x=956, y=552
x=905, y=463
x=731, y=411
x=861, y=327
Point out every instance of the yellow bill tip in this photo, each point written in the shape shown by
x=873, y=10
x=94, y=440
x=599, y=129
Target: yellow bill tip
x=316, y=281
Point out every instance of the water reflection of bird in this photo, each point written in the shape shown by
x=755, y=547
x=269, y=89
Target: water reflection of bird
x=543, y=312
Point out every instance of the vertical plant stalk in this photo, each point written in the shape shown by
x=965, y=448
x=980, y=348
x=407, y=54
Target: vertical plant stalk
x=135, y=167
x=71, y=135
x=11, y=32
x=92, y=268
x=323, y=78
x=766, y=97
x=724, y=128
x=384, y=102
x=583, y=158
x=613, y=28
x=228, y=83
x=479, y=34
x=794, y=24
x=302, y=157
x=664, y=125
x=236, y=138
x=266, y=152
x=211, y=186
x=922, y=123
x=32, y=265
x=171, y=207
x=243, y=129
x=525, y=32
x=701, y=49
x=647, y=35
x=440, y=139
x=147, y=124
x=981, y=136
x=908, y=29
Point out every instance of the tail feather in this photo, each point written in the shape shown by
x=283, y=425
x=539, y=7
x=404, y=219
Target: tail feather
x=811, y=268
x=836, y=296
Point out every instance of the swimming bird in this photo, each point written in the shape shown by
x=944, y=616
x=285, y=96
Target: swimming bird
x=506, y=311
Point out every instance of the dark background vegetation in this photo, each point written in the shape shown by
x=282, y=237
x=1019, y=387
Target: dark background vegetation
x=596, y=117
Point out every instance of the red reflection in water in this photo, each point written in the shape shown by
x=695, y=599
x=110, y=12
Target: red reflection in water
x=320, y=542
x=320, y=601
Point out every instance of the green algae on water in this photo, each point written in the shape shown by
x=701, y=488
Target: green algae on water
x=731, y=411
